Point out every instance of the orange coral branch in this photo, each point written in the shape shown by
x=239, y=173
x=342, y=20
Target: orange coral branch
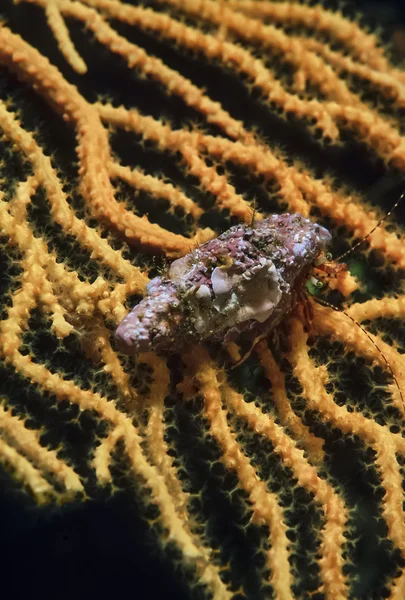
x=340, y=327
x=61, y=211
x=64, y=389
x=388, y=307
x=178, y=141
x=327, y=115
x=93, y=148
x=308, y=65
x=265, y=506
x=158, y=451
x=153, y=67
x=230, y=54
x=156, y=187
x=386, y=83
x=155, y=431
x=317, y=397
x=331, y=562
x=312, y=444
x=391, y=481
x=188, y=144
x=364, y=45
x=25, y=473
x=46, y=460
x=345, y=210
x=61, y=33
x=383, y=442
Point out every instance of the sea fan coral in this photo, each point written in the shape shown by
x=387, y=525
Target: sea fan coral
x=130, y=144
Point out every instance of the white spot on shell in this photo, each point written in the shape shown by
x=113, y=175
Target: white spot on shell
x=203, y=292
x=242, y=299
x=223, y=280
x=299, y=249
x=179, y=268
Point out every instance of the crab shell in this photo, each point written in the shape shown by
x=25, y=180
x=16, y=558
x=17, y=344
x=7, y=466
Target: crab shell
x=241, y=282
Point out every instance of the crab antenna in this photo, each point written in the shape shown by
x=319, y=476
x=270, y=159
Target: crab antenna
x=339, y=258
x=329, y=305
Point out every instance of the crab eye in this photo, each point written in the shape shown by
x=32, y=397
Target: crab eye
x=329, y=256
x=316, y=282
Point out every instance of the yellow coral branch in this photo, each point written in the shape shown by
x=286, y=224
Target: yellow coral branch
x=25, y=473
x=389, y=307
x=340, y=327
x=64, y=389
x=331, y=561
x=391, y=481
x=288, y=418
x=61, y=33
x=156, y=187
x=308, y=65
x=312, y=380
x=383, y=442
x=152, y=67
x=100, y=342
x=265, y=505
x=178, y=141
x=155, y=431
x=10, y=342
x=364, y=45
x=189, y=143
x=93, y=151
x=345, y=210
x=28, y=442
x=22, y=198
x=61, y=211
x=384, y=82
x=102, y=458
x=230, y=54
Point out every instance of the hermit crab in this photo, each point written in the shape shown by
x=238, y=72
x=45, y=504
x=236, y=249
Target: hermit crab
x=239, y=285
x=242, y=283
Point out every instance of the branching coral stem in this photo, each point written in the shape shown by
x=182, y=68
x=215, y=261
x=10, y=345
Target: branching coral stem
x=331, y=562
x=61, y=33
x=294, y=183
x=88, y=400
x=289, y=419
x=26, y=473
x=265, y=505
x=364, y=46
x=61, y=211
x=387, y=307
x=27, y=441
x=93, y=147
x=382, y=441
x=344, y=329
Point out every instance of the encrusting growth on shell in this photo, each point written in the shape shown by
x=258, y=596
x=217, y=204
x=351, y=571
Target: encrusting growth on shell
x=241, y=282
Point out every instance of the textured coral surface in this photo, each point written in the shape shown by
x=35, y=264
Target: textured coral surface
x=130, y=134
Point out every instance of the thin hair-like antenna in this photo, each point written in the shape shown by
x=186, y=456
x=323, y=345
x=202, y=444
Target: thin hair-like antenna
x=329, y=305
x=254, y=212
x=401, y=197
